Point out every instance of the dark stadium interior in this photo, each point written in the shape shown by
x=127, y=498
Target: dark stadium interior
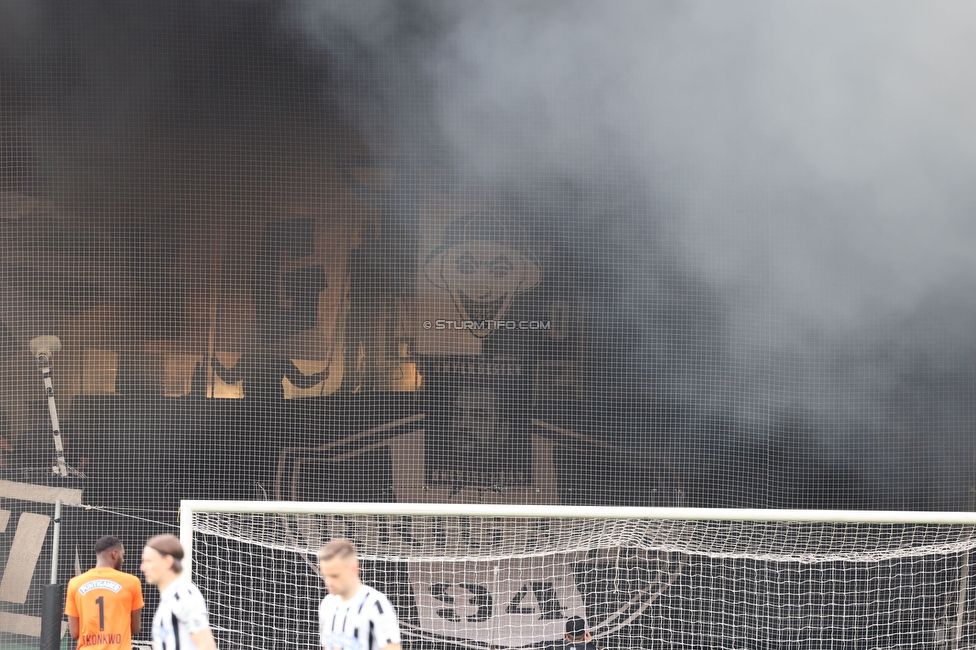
x=221, y=199
x=222, y=92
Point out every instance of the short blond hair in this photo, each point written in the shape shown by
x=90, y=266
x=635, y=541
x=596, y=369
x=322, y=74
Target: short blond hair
x=338, y=547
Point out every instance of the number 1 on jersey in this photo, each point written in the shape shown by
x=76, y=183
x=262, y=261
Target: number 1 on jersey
x=100, y=601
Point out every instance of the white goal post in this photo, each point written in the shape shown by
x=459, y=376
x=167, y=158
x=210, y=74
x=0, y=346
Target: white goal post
x=495, y=576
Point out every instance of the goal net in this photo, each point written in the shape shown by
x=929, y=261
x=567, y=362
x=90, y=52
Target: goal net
x=510, y=576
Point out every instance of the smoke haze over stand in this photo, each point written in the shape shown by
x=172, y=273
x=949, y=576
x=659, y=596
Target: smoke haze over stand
x=803, y=168
x=770, y=205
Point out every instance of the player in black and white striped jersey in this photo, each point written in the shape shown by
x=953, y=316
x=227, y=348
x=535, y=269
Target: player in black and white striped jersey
x=353, y=616
x=181, y=620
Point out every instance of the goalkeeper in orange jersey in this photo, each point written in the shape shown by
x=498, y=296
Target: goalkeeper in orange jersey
x=104, y=605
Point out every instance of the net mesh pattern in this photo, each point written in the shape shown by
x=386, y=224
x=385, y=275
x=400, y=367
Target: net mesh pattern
x=638, y=583
x=399, y=538
x=508, y=253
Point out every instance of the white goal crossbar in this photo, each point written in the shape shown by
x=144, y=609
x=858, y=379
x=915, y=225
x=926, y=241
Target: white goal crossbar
x=189, y=507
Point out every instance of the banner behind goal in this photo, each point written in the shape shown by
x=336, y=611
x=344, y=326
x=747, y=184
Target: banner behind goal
x=503, y=576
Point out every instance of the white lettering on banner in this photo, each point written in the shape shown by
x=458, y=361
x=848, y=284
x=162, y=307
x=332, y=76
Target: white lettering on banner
x=38, y=493
x=20, y=624
x=506, y=603
x=24, y=552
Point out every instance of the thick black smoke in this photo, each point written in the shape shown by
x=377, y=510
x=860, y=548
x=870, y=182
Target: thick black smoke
x=124, y=104
x=766, y=207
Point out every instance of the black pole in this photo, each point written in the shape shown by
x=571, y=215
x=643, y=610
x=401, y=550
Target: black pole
x=51, y=618
x=51, y=606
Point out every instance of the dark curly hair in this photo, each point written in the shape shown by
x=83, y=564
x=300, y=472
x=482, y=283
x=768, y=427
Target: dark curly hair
x=107, y=543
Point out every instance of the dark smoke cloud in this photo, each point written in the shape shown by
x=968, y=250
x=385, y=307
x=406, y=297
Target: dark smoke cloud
x=128, y=102
x=784, y=211
x=767, y=206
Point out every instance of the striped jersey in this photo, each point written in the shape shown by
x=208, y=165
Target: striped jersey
x=181, y=612
x=367, y=621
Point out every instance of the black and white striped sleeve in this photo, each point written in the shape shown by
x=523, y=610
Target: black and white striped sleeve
x=384, y=625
